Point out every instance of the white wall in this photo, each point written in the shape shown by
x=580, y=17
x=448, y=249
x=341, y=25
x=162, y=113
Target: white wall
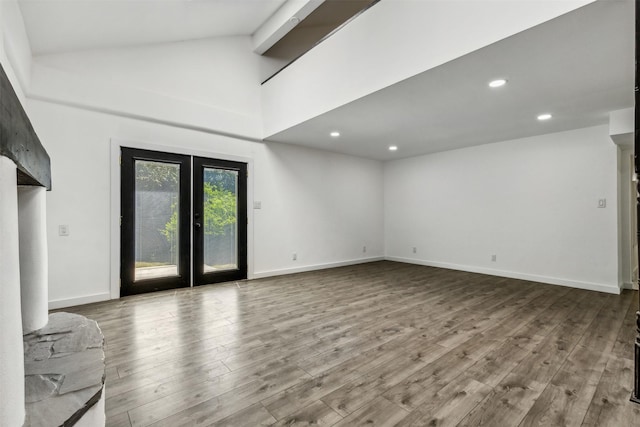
x=219, y=72
x=532, y=202
x=321, y=205
x=194, y=97
x=15, y=57
x=204, y=96
x=15, y=52
x=392, y=41
x=11, y=357
x=211, y=85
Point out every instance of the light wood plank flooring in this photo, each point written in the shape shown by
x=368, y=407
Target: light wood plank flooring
x=380, y=344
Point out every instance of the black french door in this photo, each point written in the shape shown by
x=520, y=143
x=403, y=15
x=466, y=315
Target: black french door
x=182, y=218
x=155, y=249
x=219, y=221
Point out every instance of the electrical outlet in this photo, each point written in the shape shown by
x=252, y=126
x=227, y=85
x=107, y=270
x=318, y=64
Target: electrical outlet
x=364, y=249
x=602, y=203
x=294, y=256
x=493, y=258
x=63, y=230
x=415, y=250
x=257, y=204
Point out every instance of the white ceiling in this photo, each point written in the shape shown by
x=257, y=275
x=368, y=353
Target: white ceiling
x=577, y=67
x=55, y=26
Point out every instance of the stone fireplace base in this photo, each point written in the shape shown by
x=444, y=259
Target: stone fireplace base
x=64, y=373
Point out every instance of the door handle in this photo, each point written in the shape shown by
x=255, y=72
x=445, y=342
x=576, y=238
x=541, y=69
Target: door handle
x=197, y=224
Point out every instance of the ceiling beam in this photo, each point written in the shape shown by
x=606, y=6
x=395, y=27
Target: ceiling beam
x=18, y=140
x=281, y=22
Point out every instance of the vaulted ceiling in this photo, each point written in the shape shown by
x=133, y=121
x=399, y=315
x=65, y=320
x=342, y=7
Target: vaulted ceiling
x=55, y=26
x=578, y=67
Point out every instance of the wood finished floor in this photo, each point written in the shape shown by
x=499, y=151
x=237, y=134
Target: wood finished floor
x=380, y=344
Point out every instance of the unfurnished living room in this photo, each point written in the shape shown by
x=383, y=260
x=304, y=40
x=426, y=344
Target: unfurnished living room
x=319, y=213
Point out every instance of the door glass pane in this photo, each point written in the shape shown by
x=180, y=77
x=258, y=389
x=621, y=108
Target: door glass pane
x=220, y=225
x=157, y=207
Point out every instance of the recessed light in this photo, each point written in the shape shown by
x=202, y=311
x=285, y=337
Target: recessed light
x=335, y=134
x=497, y=83
x=545, y=116
x=393, y=148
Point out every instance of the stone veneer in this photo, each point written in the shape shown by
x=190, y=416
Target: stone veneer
x=64, y=370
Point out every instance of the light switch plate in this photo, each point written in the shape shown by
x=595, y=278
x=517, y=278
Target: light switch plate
x=63, y=230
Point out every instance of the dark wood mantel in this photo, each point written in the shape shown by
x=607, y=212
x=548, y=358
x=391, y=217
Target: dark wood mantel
x=18, y=140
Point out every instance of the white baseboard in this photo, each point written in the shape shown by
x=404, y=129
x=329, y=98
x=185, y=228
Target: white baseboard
x=271, y=273
x=599, y=287
x=87, y=299
x=629, y=285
